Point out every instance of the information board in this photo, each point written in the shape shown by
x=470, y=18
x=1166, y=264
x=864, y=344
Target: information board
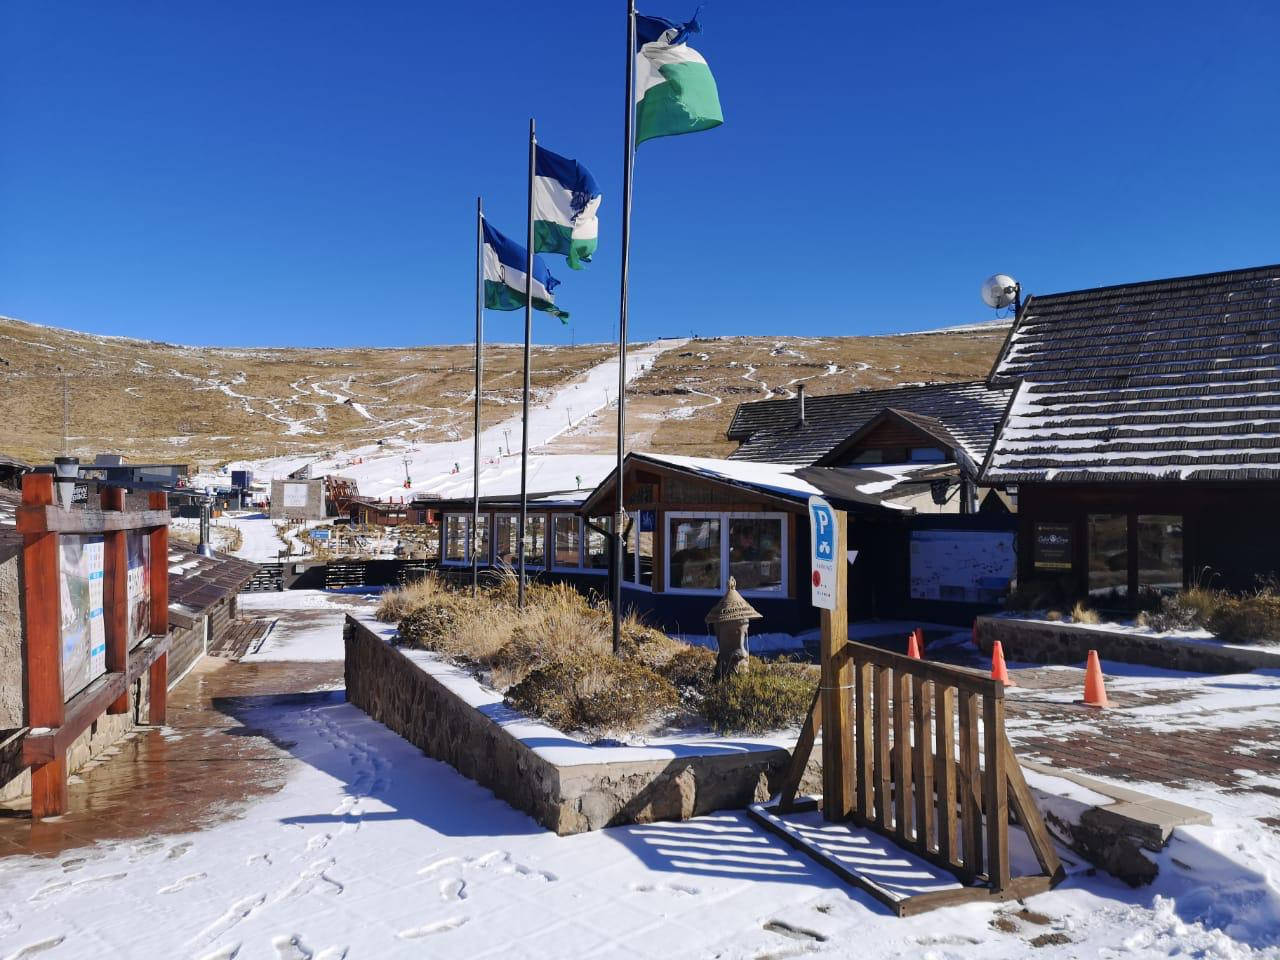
x=1052, y=547
x=295, y=494
x=81, y=628
x=961, y=566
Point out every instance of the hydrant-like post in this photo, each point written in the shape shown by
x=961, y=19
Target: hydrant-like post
x=731, y=617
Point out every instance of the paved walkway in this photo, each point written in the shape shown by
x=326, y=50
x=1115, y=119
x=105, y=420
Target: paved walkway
x=204, y=767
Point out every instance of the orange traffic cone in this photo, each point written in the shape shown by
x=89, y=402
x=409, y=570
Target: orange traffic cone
x=975, y=634
x=998, y=669
x=919, y=632
x=1095, y=692
x=913, y=646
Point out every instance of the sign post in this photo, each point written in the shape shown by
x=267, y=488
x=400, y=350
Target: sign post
x=828, y=539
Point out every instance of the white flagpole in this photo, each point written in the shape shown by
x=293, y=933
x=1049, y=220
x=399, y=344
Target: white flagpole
x=528, y=333
x=475, y=466
x=628, y=162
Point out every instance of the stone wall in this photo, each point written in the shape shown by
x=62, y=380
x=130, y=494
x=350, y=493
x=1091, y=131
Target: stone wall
x=1036, y=641
x=12, y=681
x=567, y=799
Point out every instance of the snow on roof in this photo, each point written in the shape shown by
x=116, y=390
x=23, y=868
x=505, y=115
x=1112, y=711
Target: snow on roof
x=781, y=478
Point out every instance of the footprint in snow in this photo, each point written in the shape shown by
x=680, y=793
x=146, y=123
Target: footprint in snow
x=291, y=948
x=228, y=952
x=677, y=888
x=440, y=926
x=178, y=850
x=40, y=946
x=785, y=929
x=454, y=888
x=183, y=883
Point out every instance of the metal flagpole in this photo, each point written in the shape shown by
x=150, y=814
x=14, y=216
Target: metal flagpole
x=627, y=164
x=475, y=466
x=528, y=333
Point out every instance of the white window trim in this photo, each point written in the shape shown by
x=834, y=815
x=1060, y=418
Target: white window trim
x=546, y=528
x=566, y=516
x=593, y=571
x=783, y=590
x=466, y=539
x=635, y=583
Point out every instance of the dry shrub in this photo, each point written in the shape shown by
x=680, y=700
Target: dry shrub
x=691, y=670
x=593, y=693
x=1081, y=613
x=766, y=696
x=1252, y=618
x=396, y=604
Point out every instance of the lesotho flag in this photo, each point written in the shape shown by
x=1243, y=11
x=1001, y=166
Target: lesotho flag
x=565, y=202
x=504, y=277
x=675, y=91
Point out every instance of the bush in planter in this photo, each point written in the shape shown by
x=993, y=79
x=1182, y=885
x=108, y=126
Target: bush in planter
x=593, y=693
x=1254, y=618
x=767, y=696
x=691, y=670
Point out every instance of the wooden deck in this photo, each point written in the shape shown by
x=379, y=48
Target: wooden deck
x=240, y=637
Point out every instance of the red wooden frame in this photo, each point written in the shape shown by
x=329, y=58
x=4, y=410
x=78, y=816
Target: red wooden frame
x=54, y=721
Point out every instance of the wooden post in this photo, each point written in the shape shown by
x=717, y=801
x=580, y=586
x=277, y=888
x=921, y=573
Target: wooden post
x=922, y=761
x=945, y=754
x=970, y=786
x=158, y=675
x=995, y=793
x=837, y=681
x=865, y=746
x=44, y=648
x=903, y=805
x=115, y=595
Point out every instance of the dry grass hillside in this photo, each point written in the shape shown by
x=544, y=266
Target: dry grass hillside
x=164, y=402
x=208, y=405
x=684, y=403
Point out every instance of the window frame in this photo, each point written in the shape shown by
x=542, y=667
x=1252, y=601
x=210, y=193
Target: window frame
x=725, y=517
x=530, y=516
x=554, y=551
x=467, y=539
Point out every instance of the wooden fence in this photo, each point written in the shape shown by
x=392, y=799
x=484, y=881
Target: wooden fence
x=931, y=768
x=55, y=721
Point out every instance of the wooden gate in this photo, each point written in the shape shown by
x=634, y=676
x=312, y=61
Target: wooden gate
x=925, y=762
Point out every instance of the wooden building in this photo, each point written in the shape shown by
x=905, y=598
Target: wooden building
x=1144, y=435
x=381, y=513
x=694, y=522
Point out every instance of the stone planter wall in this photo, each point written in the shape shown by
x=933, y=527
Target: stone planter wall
x=568, y=799
x=1036, y=641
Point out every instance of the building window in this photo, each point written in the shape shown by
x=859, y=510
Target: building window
x=644, y=551
x=598, y=544
x=504, y=540
x=481, y=540
x=568, y=543
x=756, y=556
x=704, y=549
x=1108, y=555
x=927, y=455
x=869, y=456
x=455, y=538
x=535, y=541
x=629, y=549
x=1159, y=552
x=694, y=553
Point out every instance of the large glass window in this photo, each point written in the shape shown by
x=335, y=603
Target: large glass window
x=598, y=544
x=629, y=549
x=1108, y=555
x=567, y=541
x=455, y=538
x=694, y=553
x=755, y=552
x=505, y=546
x=644, y=547
x=1159, y=552
x=481, y=539
x=535, y=540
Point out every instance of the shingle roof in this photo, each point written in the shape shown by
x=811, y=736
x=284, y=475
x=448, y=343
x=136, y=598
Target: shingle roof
x=197, y=582
x=768, y=429
x=1168, y=379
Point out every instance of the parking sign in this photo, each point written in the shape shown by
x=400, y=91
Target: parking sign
x=822, y=553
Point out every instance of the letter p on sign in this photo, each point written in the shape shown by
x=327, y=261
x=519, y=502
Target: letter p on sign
x=822, y=553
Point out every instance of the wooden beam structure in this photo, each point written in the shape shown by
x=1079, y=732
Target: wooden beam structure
x=54, y=722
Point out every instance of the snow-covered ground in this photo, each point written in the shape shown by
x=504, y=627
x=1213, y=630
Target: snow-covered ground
x=372, y=850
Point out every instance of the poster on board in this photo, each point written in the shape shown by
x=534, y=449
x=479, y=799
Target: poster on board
x=962, y=566
x=82, y=629
x=139, y=585
x=295, y=494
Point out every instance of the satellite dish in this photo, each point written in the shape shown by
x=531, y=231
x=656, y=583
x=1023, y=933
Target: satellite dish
x=999, y=290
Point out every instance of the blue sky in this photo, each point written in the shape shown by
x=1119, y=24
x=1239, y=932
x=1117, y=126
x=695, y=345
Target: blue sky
x=305, y=173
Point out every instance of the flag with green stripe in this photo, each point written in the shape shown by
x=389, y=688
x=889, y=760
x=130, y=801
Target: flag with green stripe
x=675, y=91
